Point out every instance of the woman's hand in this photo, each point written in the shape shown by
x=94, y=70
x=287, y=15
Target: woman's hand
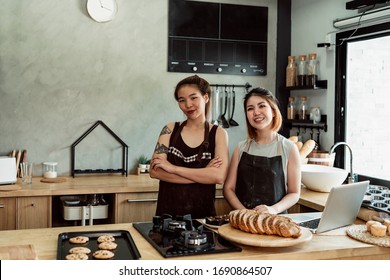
x=215, y=162
x=265, y=209
x=159, y=161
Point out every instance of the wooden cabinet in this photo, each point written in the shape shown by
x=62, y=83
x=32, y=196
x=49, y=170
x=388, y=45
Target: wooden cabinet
x=135, y=207
x=33, y=212
x=7, y=213
x=141, y=207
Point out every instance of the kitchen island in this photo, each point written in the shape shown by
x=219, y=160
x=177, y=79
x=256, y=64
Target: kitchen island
x=335, y=244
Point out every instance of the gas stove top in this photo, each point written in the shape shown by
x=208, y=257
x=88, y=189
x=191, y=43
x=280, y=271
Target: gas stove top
x=183, y=236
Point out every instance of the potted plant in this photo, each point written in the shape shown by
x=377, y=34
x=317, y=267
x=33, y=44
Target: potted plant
x=142, y=163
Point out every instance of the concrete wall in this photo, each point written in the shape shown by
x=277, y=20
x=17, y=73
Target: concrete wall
x=60, y=72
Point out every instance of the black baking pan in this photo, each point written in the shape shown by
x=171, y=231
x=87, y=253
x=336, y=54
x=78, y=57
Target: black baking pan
x=377, y=198
x=126, y=249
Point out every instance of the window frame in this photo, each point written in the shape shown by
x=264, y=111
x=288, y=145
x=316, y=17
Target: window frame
x=342, y=39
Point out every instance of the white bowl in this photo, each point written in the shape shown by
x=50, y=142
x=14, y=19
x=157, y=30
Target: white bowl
x=322, y=178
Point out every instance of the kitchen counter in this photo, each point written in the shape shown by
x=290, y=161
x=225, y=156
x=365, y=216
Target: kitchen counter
x=331, y=245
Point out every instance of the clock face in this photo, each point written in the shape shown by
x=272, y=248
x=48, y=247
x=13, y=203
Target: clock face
x=102, y=10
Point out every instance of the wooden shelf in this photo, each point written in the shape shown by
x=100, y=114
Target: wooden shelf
x=307, y=123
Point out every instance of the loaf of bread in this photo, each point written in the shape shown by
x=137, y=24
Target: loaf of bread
x=307, y=148
x=255, y=222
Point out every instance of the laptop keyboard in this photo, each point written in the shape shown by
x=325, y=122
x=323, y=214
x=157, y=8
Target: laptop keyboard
x=313, y=224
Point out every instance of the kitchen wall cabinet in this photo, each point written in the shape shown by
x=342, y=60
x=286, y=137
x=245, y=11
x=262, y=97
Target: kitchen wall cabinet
x=33, y=212
x=7, y=213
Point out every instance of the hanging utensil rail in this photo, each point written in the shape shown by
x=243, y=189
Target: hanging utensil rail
x=246, y=86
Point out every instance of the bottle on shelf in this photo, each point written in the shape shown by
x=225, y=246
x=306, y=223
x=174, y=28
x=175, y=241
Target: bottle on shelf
x=291, y=108
x=312, y=70
x=291, y=72
x=303, y=108
x=301, y=76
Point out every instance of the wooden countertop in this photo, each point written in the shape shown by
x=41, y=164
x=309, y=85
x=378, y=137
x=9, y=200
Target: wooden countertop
x=95, y=184
x=331, y=245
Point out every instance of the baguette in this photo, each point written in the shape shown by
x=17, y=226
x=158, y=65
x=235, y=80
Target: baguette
x=254, y=222
x=307, y=148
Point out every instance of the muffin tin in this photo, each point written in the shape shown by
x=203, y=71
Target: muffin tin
x=377, y=198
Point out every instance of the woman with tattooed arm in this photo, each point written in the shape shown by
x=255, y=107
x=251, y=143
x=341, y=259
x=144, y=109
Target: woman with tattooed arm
x=190, y=157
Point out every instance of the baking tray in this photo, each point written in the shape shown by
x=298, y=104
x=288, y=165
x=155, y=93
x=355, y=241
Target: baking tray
x=126, y=250
x=377, y=198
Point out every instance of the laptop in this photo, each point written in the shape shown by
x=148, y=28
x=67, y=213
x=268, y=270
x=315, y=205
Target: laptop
x=341, y=208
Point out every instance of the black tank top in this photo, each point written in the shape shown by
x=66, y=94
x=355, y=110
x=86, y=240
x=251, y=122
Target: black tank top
x=195, y=199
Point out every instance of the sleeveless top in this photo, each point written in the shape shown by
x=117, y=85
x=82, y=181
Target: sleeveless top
x=196, y=199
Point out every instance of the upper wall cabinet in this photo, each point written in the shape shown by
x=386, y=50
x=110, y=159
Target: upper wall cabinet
x=217, y=38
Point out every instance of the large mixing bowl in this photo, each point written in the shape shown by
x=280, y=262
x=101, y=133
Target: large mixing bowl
x=322, y=178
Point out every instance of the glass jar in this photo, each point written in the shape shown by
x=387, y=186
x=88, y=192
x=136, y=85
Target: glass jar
x=50, y=170
x=303, y=108
x=291, y=72
x=312, y=75
x=290, y=108
x=301, y=77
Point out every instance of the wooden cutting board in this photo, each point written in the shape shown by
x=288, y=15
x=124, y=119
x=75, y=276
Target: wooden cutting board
x=18, y=252
x=262, y=240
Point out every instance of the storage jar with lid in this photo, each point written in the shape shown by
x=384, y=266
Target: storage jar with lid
x=312, y=70
x=303, y=108
x=301, y=77
x=50, y=170
x=291, y=72
x=291, y=108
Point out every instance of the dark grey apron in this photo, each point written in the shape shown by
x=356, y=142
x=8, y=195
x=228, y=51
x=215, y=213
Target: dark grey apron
x=260, y=180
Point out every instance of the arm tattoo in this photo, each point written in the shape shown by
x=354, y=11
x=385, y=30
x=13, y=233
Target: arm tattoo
x=165, y=130
x=161, y=149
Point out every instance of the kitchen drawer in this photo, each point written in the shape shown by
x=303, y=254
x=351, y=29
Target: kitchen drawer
x=135, y=207
x=8, y=213
x=34, y=212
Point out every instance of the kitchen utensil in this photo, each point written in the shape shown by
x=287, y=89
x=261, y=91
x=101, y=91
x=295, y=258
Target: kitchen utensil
x=215, y=101
x=225, y=123
x=262, y=240
x=231, y=121
x=126, y=250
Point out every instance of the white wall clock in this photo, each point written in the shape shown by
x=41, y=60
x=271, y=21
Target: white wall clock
x=102, y=10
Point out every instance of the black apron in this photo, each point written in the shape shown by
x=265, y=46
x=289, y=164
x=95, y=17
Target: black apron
x=180, y=199
x=260, y=180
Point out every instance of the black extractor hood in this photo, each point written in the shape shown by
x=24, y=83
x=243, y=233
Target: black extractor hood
x=360, y=4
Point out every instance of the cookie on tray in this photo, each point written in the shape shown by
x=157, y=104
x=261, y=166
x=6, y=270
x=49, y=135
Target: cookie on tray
x=77, y=257
x=103, y=254
x=79, y=239
x=79, y=250
x=106, y=238
x=108, y=245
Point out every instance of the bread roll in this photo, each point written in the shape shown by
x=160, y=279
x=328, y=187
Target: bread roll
x=370, y=223
x=307, y=148
x=293, y=138
x=378, y=230
x=254, y=222
x=299, y=145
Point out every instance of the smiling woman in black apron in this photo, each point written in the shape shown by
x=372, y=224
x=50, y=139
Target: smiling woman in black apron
x=264, y=172
x=191, y=157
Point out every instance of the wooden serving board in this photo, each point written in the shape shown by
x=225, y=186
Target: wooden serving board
x=18, y=252
x=53, y=180
x=262, y=240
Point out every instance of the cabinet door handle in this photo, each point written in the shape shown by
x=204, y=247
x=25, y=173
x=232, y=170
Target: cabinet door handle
x=155, y=199
x=142, y=200
x=2, y=205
